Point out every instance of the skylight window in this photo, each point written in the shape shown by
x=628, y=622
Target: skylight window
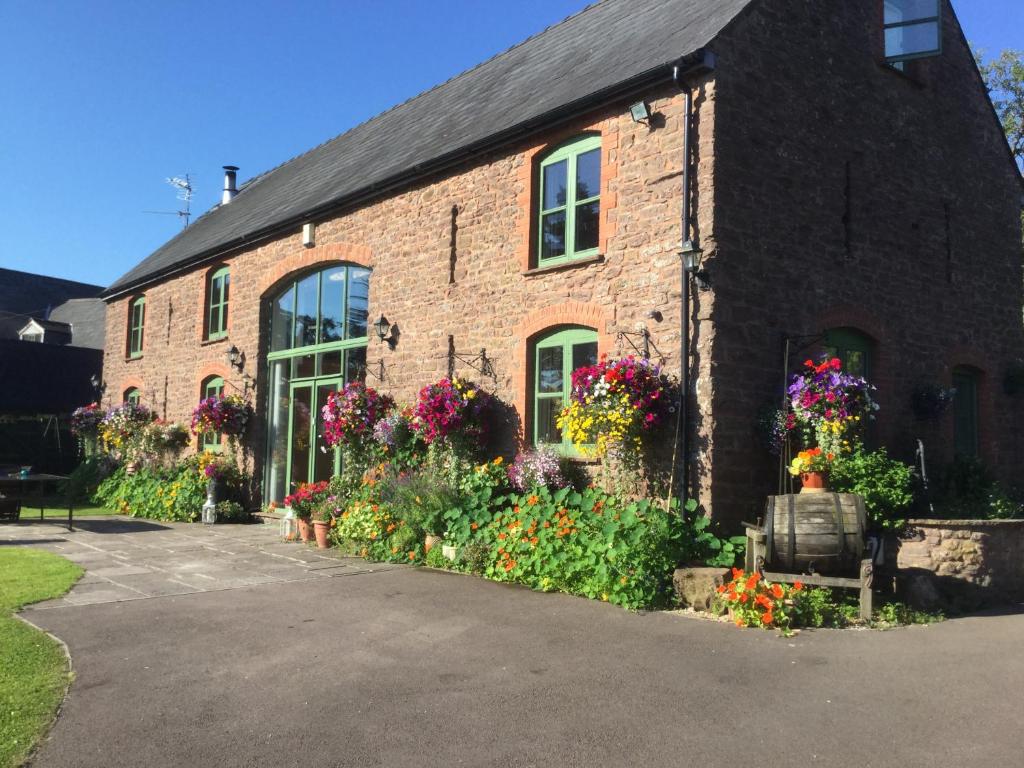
x=912, y=29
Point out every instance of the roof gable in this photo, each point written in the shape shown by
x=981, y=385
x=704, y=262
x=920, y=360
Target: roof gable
x=606, y=45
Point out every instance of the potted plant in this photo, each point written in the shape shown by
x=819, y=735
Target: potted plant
x=304, y=502
x=327, y=511
x=826, y=404
x=812, y=467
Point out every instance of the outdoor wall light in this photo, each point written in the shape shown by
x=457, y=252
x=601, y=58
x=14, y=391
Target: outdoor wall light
x=386, y=332
x=640, y=113
x=692, y=255
x=235, y=358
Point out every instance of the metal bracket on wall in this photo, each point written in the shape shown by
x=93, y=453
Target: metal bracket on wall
x=378, y=372
x=640, y=342
x=479, y=363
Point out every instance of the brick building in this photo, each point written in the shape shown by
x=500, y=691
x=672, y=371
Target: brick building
x=849, y=186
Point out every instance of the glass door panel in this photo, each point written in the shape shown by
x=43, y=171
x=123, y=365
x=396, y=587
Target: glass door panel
x=324, y=458
x=300, y=431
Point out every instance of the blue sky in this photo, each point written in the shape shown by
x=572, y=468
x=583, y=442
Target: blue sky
x=102, y=100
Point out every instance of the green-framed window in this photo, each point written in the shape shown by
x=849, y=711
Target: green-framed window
x=556, y=356
x=569, y=202
x=853, y=348
x=318, y=339
x=912, y=29
x=132, y=395
x=136, y=326
x=217, y=288
x=965, y=412
x=212, y=387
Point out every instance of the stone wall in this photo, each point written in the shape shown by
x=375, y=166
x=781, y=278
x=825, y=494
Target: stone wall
x=965, y=562
x=476, y=283
x=847, y=194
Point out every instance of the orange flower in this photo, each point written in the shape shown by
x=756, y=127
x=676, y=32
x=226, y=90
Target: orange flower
x=739, y=623
x=501, y=536
x=752, y=581
x=547, y=524
x=797, y=586
x=391, y=527
x=777, y=591
x=737, y=573
x=497, y=461
x=763, y=601
x=744, y=597
x=473, y=526
x=720, y=588
x=412, y=555
x=767, y=617
x=534, y=540
x=532, y=500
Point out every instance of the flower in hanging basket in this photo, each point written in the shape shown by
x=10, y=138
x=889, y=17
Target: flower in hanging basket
x=122, y=427
x=450, y=407
x=617, y=402
x=352, y=413
x=227, y=415
x=85, y=421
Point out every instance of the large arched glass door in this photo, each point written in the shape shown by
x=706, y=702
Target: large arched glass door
x=318, y=326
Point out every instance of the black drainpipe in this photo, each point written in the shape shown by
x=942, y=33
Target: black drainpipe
x=679, y=71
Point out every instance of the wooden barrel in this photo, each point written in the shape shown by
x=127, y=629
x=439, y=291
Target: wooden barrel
x=815, y=533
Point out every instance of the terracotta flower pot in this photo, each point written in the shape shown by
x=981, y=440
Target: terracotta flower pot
x=429, y=542
x=813, y=482
x=320, y=528
x=305, y=530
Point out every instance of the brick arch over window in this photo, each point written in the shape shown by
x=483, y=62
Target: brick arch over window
x=546, y=320
x=307, y=258
x=130, y=382
x=527, y=187
x=208, y=370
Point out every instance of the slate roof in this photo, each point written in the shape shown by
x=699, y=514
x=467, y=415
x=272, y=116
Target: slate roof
x=24, y=295
x=562, y=70
x=87, y=319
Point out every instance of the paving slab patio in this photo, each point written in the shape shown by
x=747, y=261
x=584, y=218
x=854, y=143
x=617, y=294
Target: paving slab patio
x=127, y=559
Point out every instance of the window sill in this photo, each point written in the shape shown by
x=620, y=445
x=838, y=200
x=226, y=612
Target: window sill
x=209, y=342
x=585, y=261
x=904, y=76
x=132, y=358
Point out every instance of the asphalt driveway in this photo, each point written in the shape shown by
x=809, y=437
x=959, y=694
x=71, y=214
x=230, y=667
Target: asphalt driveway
x=404, y=667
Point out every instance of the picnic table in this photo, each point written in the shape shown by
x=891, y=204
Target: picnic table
x=22, y=498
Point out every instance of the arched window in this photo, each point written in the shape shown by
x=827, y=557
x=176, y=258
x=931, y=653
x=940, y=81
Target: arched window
x=318, y=335
x=555, y=357
x=965, y=412
x=853, y=348
x=132, y=395
x=569, y=202
x=136, y=326
x=217, y=285
x=213, y=386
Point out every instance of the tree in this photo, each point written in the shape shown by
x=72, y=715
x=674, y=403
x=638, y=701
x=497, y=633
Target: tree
x=1004, y=78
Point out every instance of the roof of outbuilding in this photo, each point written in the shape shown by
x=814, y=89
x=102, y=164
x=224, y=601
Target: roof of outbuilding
x=554, y=73
x=25, y=294
x=86, y=319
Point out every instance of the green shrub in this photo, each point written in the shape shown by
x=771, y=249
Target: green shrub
x=886, y=485
x=586, y=542
x=174, y=493
x=231, y=512
x=436, y=559
x=83, y=481
x=965, y=489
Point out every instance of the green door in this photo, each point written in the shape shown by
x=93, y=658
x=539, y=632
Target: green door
x=309, y=459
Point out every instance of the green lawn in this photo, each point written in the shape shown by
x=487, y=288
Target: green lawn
x=27, y=513
x=33, y=669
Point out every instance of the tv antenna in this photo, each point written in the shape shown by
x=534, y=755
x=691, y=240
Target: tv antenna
x=184, y=186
